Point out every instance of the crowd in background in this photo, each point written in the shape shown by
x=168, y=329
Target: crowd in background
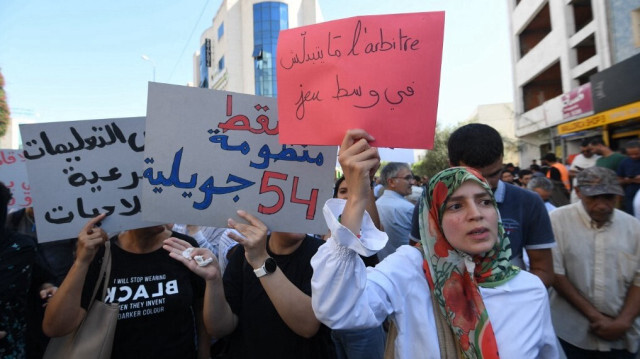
x=360, y=290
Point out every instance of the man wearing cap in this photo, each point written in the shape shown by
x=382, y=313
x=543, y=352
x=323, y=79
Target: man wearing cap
x=596, y=298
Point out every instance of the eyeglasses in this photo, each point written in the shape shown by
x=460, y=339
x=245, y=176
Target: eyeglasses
x=406, y=178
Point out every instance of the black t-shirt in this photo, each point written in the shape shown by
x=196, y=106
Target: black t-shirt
x=158, y=298
x=261, y=333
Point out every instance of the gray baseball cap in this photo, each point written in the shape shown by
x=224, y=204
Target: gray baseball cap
x=594, y=181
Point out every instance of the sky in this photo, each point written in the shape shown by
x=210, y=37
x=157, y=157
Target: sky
x=77, y=59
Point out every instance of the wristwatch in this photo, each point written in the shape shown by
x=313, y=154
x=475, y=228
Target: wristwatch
x=268, y=267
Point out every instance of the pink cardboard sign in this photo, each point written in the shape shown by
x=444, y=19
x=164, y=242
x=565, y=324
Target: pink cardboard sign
x=380, y=73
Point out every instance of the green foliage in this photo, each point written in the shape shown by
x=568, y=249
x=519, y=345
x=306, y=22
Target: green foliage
x=4, y=109
x=436, y=159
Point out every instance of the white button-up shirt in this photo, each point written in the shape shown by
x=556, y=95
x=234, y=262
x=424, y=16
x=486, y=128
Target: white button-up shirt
x=347, y=295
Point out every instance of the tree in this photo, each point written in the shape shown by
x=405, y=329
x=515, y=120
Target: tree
x=4, y=109
x=436, y=159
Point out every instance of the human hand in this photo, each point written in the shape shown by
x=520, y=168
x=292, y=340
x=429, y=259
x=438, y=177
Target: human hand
x=609, y=328
x=90, y=239
x=253, y=239
x=47, y=291
x=359, y=161
x=177, y=250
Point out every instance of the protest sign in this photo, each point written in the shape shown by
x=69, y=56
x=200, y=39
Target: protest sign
x=13, y=173
x=209, y=153
x=80, y=169
x=380, y=73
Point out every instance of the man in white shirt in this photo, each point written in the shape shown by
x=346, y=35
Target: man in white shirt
x=585, y=159
x=596, y=302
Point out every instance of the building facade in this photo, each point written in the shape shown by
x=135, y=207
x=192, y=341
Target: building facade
x=237, y=53
x=557, y=46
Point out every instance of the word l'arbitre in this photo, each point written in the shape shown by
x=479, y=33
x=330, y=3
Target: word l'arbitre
x=361, y=43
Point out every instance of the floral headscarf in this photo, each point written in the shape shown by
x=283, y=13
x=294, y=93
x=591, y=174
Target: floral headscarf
x=454, y=276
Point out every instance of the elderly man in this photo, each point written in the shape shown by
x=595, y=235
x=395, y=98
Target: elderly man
x=543, y=187
x=596, y=302
x=394, y=210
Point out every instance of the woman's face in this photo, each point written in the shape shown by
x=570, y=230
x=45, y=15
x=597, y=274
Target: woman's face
x=342, y=190
x=470, y=221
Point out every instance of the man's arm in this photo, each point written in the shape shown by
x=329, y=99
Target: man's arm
x=612, y=329
x=541, y=264
x=293, y=305
x=564, y=287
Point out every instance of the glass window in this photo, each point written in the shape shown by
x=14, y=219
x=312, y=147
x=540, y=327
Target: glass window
x=220, y=30
x=221, y=64
x=204, y=70
x=268, y=19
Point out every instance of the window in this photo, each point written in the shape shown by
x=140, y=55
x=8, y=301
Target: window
x=204, y=66
x=268, y=19
x=538, y=29
x=257, y=52
x=221, y=64
x=635, y=26
x=220, y=30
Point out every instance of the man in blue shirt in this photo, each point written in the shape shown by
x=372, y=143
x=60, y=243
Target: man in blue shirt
x=629, y=174
x=394, y=210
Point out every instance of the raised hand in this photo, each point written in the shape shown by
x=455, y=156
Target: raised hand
x=90, y=239
x=359, y=161
x=253, y=239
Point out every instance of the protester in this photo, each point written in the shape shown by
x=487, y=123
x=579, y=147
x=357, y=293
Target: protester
x=359, y=343
x=523, y=214
x=596, y=299
x=629, y=174
x=507, y=177
x=54, y=258
x=543, y=187
x=160, y=300
x=559, y=194
x=20, y=271
x=524, y=177
x=562, y=172
x=471, y=300
x=394, y=210
x=585, y=159
x=608, y=158
x=263, y=300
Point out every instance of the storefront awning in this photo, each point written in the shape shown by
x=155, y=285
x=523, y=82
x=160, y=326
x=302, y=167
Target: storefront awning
x=618, y=114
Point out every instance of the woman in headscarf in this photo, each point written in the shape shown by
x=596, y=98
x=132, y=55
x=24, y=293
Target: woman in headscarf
x=455, y=296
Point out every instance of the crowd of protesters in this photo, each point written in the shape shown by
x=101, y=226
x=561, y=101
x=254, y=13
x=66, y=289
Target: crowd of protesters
x=483, y=260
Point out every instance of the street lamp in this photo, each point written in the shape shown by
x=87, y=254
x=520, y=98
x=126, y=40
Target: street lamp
x=147, y=58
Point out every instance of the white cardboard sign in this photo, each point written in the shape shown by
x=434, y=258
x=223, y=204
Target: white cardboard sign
x=79, y=169
x=209, y=153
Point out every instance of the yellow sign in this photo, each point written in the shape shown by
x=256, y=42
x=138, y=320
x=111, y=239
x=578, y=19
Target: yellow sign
x=618, y=114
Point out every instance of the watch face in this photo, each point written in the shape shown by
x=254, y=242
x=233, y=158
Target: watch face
x=270, y=265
